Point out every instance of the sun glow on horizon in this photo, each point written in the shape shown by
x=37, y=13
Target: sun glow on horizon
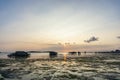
x=40, y=24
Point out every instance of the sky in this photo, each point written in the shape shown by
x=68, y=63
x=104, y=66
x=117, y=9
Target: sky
x=59, y=25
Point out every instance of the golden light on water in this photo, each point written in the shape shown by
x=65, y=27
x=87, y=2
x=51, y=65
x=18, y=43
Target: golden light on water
x=65, y=56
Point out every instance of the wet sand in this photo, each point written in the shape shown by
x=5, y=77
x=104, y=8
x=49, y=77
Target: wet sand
x=102, y=67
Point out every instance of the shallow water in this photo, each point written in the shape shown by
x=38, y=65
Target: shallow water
x=46, y=55
x=95, y=67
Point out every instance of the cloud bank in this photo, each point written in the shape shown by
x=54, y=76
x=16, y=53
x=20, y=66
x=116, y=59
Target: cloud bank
x=91, y=39
x=118, y=37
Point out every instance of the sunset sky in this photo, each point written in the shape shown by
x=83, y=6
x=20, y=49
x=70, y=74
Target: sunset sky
x=59, y=25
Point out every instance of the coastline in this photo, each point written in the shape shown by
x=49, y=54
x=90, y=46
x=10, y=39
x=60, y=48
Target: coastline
x=92, y=68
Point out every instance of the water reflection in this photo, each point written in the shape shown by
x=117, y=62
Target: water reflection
x=65, y=57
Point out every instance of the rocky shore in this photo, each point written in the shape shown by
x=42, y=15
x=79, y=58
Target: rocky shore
x=84, y=68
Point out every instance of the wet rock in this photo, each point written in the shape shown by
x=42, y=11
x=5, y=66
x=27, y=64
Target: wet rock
x=89, y=74
x=7, y=74
x=1, y=77
x=111, y=76
x=13, y=73
x=3, y=65
x=117, y=78
x=19, y=54
x=98, y=78
x=53, y=54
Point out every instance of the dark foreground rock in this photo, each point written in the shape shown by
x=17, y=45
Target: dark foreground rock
x=19, y=54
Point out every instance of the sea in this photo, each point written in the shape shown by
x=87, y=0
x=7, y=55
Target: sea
x=61, y=55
